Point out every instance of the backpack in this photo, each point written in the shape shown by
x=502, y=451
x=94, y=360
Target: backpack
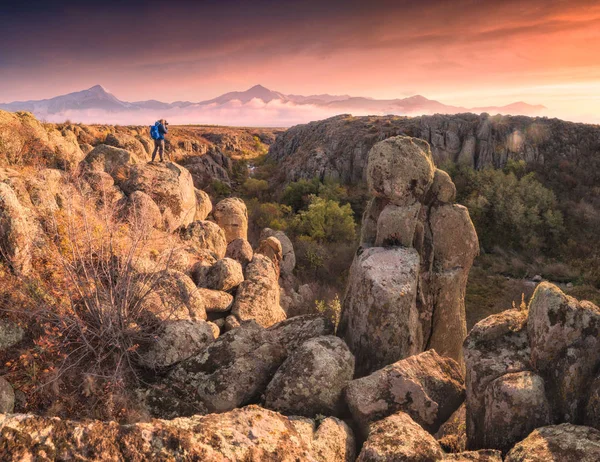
x=154, y=134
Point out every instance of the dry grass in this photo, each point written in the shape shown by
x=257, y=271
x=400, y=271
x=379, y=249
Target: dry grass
x=85, y=309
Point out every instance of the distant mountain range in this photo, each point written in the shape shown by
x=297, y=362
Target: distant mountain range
x=96, y=104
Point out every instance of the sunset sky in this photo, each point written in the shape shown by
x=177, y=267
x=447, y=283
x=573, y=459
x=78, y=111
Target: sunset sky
x=461, y=52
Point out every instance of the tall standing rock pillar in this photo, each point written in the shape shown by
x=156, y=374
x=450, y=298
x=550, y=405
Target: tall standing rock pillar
x=407, y=282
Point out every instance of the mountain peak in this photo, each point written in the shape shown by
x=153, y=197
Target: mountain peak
x=97, y=89
x=258, y=88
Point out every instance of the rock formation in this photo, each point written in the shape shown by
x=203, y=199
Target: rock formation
x=338, y=147
x=250, y=433
x=565, y=442
x=407, y=283
x=312, y=378
x=427, y=386
x=170, y=186
x=529, y=369
x=231, y=215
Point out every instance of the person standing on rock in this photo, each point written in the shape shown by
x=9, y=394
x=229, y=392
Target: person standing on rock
x=158, y=132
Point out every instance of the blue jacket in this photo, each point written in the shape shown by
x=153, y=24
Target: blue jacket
x=162, y=131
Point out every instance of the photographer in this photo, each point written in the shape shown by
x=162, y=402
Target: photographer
x=158, y=132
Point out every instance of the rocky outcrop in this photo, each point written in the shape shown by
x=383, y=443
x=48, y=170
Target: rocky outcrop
x=407, y=283
x=170, y=186
x=111, y=160
x=380, y=320
x=566, y=442
x=338, y=147
x=288, y=262
x=399, y=438
x=19, y=231
x=312, y=378
x=515, y=404
x=232, y=216
x=224, y=275
x=141, y=211
x=564, y=335
x=528, y=369
x=495, y=346
x=257, y=297
x=241, y=251
x=24, y=139
x=179, y=340
x=172, y=295
x=203, y=205
x=251, y=433
x=427, y=386
x=205, y=235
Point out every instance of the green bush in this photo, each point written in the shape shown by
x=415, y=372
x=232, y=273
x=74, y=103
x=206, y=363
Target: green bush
x=326, y=221
x=508, y=211
x=255, y=188
x=298, y=193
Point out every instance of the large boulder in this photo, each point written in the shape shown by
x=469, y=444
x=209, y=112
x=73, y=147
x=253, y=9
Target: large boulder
x=226, y=274
x=205, y=235
x=234, y=370
x=564, y=443
x=515, y=404
x=312, y=378
x=126, y=142
x=496, y=346
x=411, y=213
x=293, y=332
x=215, y=301
x=380, y=321
x=248, y=434
x=288, y=262
x=257, y=297
x=400, y=169
x=565, y=347
x=399, y=438
x=179, y=340
x=141, y=211
x=241, y=251
x=203, y=205
x=109, y=159
x=19, y=231
x=170, y=186
x=231, y=215
x=426, y=386
x=171, y=295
